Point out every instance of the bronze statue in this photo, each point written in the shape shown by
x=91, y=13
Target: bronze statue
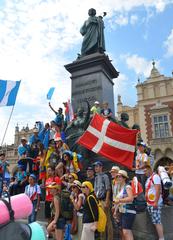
x=75, y=130
x=124, y=119
x=93, y=32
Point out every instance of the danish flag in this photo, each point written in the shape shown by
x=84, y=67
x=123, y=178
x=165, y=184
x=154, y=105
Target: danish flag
x=110, y=140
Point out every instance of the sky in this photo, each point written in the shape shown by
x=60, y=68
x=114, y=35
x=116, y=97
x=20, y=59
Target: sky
x=38, y=37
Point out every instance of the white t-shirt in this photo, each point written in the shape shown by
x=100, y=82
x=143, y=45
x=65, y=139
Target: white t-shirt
x=141, y=158
x=31, y=190
x=151, y=193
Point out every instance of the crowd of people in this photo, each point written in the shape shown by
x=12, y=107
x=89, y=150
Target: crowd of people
x=48, y=170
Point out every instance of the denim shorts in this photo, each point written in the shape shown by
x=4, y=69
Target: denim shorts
x=127, y=220
x=60, y=224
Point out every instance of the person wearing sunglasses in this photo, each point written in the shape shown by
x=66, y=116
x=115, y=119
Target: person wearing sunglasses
x=77, y=198
x=124, y=201
x=90, y=212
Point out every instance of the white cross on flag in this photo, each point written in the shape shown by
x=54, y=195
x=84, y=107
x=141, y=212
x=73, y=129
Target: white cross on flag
x=110, y=140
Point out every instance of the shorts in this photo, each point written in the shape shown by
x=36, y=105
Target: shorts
x=127, y=220
x=47, y=210
x=155, y=214
x=60, y=224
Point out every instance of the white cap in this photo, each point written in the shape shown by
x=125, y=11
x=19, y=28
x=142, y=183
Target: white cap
x=23, y=138
x=96, y=102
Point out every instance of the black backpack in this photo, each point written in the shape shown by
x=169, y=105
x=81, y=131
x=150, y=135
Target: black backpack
x=140, y=203
x=14, y=230
x=66, y=205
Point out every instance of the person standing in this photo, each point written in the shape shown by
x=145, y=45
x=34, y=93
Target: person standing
x=58, y=223
x=115, y=185
x=77, y=198
x=102, y=189
x=90, y=174
x=106, y=112
x=90, y=212
x=4, y=169
x=124, y=200
x=154, y=199
x=33, y=191
x=49, y=197
x=141, y=162
x=96, y=108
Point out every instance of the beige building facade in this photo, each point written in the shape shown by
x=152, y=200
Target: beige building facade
x=11, y=151
x=154, y=113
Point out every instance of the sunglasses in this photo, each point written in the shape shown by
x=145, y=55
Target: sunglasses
x=84, y=186
x=70, y=178
x=119, y=176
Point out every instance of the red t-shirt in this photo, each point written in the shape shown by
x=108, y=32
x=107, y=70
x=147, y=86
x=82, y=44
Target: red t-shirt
x=49, y=196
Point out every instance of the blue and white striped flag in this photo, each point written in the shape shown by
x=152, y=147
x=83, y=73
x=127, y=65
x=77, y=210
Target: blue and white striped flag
x=50, y=93
x=8, y=92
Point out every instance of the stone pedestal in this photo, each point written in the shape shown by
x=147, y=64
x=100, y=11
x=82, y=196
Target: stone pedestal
x=92, y=77
x=143, y=228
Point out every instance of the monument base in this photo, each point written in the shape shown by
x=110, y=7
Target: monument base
x=143, y=228
x=92, y=77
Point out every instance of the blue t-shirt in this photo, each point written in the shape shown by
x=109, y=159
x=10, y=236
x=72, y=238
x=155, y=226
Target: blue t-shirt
x=106, y=112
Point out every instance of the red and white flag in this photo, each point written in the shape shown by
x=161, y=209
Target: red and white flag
x=110, y=140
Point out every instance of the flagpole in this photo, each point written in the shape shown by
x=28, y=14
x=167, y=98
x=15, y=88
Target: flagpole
x=7, y=125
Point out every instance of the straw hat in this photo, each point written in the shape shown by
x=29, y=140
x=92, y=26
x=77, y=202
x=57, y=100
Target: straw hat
x=123, y=173
x=77, y=184
x=88, y=185
x=115, y=169
x=54, y=185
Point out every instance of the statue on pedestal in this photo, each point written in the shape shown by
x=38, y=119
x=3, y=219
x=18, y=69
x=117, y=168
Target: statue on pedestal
x=93, y=32
x=76, y=128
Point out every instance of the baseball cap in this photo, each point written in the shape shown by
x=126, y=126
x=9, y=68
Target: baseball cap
x=23, y=138
x=90, y=168
x=98, y=163
x=142, y=144
x=33, y=176
x=96, y=102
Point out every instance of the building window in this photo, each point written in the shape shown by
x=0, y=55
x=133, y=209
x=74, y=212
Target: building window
x=161, y=126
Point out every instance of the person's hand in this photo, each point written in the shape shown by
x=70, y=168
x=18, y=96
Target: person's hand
x=94, y=227
x=37, y=209
x=155, y=205
x=116, y=201
x=54, y=223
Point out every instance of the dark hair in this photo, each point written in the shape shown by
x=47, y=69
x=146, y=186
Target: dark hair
x=51, y=167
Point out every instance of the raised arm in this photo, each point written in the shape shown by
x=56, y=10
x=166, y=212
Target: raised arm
x=52, y=108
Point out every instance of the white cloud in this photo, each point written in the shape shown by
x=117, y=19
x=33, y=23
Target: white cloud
x=133, y=19
x=139, y=65
x=36, y=36
x=169, y=45
x=121, y=20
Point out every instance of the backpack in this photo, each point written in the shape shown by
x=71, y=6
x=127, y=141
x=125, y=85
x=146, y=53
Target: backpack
x=139, y=201
x=66, y=205
x=102, y=219
x=14, y=230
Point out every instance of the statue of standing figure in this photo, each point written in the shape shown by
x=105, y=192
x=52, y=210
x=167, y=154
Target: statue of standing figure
x=93, y=32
